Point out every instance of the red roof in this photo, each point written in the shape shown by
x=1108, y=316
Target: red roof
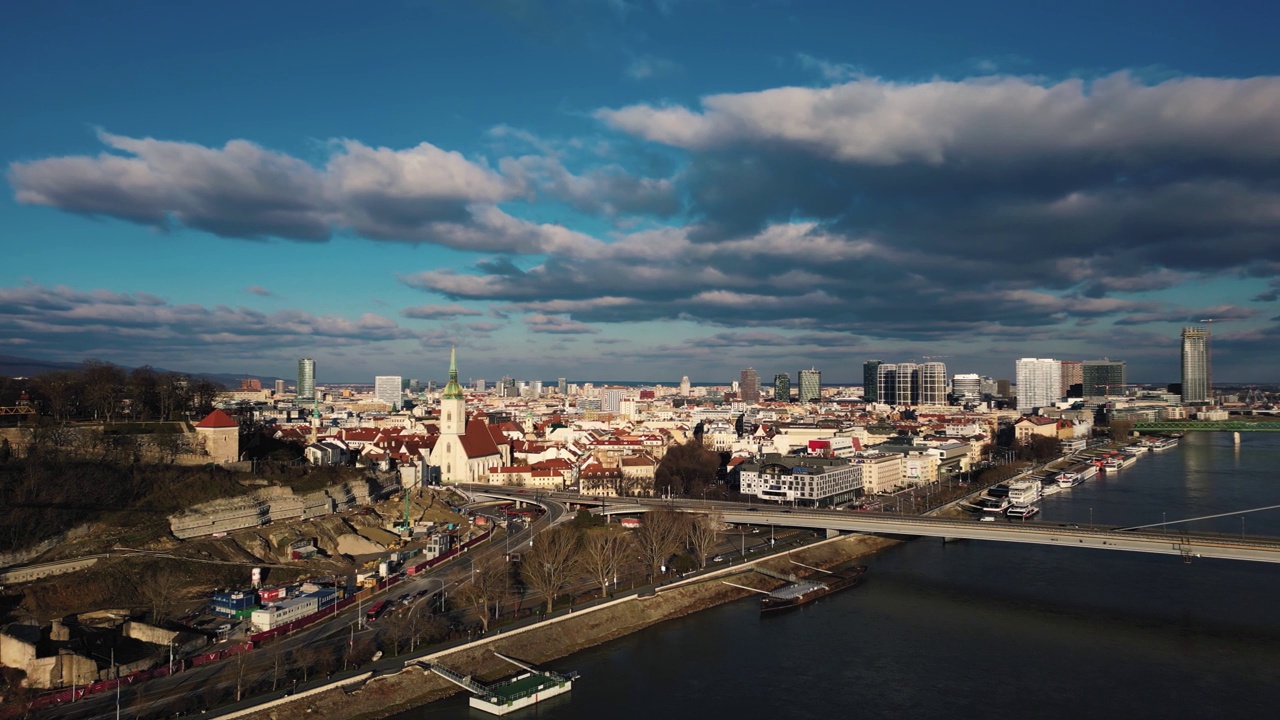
x=477, y=442
x=217, y=419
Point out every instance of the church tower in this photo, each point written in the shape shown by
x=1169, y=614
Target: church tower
x=453, y=406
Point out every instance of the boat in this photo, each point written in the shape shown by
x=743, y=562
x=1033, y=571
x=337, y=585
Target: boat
x=1023, y=511
x=1024, y=492
x=1164, y=443
x=804, y=592
x=1068, y=479
x=992, y=505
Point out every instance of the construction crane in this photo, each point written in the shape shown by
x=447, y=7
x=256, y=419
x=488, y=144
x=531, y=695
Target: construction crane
x=933, y=357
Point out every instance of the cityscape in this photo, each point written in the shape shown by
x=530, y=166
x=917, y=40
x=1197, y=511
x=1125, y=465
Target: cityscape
x=638, y=357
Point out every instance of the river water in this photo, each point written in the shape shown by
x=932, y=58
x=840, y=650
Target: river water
x=987, y=630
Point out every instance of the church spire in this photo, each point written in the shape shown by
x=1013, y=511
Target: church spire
x=453, y=391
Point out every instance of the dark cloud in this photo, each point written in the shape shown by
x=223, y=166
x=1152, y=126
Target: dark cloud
x=435, y=312
x=557, y=325
x=259, y=291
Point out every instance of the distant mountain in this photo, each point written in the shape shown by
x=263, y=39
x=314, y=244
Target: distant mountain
x=13, y=366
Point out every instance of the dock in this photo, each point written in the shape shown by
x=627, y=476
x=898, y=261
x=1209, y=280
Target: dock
x=525, y=689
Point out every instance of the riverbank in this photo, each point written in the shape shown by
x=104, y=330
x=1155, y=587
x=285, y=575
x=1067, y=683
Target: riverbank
x=542, y=643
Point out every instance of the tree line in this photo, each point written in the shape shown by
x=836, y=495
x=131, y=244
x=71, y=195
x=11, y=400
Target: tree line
x=572, y=554
x=101, y=391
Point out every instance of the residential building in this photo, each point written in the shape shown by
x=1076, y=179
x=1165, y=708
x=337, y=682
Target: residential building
x=1039, y=383
x=1197, y=387
x=1072, y=374
x=306, y=379
x=388, y=389
x=1101, y=378
x=749, y=387
x=871, y=380
x=887, y=383
x=782, y=387
x=801, y=479
x=907, y=384
x=933, y=384
x=810, y=385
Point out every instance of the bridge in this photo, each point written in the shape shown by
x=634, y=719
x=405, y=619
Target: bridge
x=1205, y=426
x=1160, y=541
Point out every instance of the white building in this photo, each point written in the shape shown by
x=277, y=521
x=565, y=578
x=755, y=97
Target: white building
x=1039, y=383
x=387, y=388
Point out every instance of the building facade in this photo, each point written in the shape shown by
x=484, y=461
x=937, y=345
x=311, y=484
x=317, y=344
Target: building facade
x=1101, y=378
x=387, y=388
x=749, y=386
x=810, y=385
x=933, y=384
x=887, y=383
x=966, y=388
x=306, y=379
x=1039, y=383
x=1196, y=386
x=1072, y=374
x=801, y=479
x=871, y=380
x=782, y=387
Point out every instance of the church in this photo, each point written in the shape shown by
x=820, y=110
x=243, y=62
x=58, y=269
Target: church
x=465, y=449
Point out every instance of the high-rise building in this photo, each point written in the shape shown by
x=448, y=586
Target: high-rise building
x=562, y=386
x=782, y=387
x=387, y=389
x=933, y=384
x=749, y=387
x=507, y=386
x=1039, y=383
x=306, y=379
x=907, y=380
x=1100, y=378
x=871, y=380
x=966, y=387
x=1072, y=374
x=611, y=399
x=685, y=386
x=887, y=383
x=279, y=388
x=1196, y=386
x=810, y=385
x=479, y=385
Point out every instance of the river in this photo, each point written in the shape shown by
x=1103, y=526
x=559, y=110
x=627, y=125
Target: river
x=987, y=630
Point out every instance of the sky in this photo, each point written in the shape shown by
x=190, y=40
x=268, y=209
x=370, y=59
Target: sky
x=639, y=189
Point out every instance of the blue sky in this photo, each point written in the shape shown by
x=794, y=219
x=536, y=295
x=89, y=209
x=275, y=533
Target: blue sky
x=638, y=190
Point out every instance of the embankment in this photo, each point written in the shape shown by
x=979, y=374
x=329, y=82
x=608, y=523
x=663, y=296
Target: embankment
x=565, y=635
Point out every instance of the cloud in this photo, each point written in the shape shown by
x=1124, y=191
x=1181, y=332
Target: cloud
x=435, y=312
x=62, y=320
x=241, y=190
x=645, y=67
x=557, y=325
x=830, y=71
x=259, y=291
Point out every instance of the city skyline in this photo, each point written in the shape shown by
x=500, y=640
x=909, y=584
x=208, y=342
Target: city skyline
x=584, y=187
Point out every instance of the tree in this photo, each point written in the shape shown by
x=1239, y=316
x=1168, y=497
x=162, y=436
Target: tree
x=1121, y=430
x=160, y=591
x=659, y=536
x=704, y=531
x=686, y=469
x=550, y=563
x=490, y=584
x=604, y=553
x=104, y=387
x=6, y=452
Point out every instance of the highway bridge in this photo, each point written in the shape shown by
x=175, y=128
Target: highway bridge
x=1160, y=541
x=1182, y=426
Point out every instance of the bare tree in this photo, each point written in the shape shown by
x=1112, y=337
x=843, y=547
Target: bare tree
x=241, y=664
x=277, y=661
x=550, y=563
x=159, y=590
x=704, y=530
x=490, y=584
x=659, y=536
x=604, y=552
x=305, y=658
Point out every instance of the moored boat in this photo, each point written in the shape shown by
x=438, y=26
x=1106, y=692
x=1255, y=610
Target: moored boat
x=806, y=591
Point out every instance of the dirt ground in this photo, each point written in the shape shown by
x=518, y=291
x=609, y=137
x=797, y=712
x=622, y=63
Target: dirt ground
x=387, y=695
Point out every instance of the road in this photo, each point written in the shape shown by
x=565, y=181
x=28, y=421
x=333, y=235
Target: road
x=197, y=686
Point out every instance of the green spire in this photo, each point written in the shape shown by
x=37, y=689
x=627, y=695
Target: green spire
x=453, y=391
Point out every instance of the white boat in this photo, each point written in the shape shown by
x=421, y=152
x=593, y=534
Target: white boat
x=1159, y=444
x=993, y=505
x=1023, y=511
x=1024, y=492
x=1069, y=479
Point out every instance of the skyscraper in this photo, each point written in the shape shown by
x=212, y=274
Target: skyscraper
x=306, y=379
x=562, y=386
x=967, y=388
x=887, y=383
x=749, y=386
x=685, y=386
x=1039, y=383
x=279, y=388
x=1195, y=366
x=387, y=389
x=1100, y=378
x=782, y=387
x=933, y=384
x=871, y=381
x=810, y=385
x=907, y=380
